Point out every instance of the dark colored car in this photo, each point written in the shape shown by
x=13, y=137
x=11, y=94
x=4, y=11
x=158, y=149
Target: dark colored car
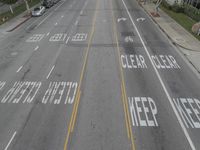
x=47, y=3
x=55, y=1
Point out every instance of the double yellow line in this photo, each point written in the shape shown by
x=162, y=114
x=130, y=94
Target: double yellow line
x=78, y=94
x=123, y=87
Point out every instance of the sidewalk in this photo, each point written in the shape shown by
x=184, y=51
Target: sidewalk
x=13, y=24
x=188, y=44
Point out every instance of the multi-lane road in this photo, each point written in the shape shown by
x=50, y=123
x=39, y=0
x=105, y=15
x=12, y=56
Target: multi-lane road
x=96, y=75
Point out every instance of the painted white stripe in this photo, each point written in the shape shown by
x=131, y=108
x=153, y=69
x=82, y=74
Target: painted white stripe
x=36, y=48
x=44, y=19
x=67, y=40
x=56, y=24
x=50, y=72
x=10, y=140
x=48, y=33
x=58, y=6
x=81, y=12
x=62, y=16
x=162, y=83
x=76, y=23
x=19, y=68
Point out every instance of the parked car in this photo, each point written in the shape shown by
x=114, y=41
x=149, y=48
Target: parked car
x=48, y=3
x=38, y=11
x=55, y=1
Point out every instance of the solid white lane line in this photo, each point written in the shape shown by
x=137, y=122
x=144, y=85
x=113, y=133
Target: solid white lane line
x=50, y=72
x=162, y=83
x=67, y=40
x=36, y=48
x=10, y=140
x=44, y=19
x=19, y=68
x=32, y=24
x=58, y=6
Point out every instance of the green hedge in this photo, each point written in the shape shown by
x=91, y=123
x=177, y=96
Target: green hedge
x=189, y=10
x=192, y=12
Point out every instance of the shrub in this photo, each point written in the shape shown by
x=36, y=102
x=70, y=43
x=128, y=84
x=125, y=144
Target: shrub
x=178, y=8
x=192, y=12
x=166, y=5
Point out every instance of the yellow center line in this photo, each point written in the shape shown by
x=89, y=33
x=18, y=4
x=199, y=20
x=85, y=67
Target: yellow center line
x=78, y=93
x=123, y=87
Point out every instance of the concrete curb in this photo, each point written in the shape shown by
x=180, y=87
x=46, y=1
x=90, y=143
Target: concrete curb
x=175, y=43
x=19, y=24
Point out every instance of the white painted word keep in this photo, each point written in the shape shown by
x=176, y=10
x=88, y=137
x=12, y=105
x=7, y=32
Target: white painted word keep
x=35, y=38
x=189, y=110
x=143, y=111
x=79, y=37
x=58, y=37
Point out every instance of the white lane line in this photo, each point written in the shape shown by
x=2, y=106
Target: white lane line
x=81, y=12
x=58, y=6
x=56, y=24
x=76, y=23
x=36, y=48
x=50, y=72
x=19, y=68
x=83, y=7
x=10, y=140
x=48, y=33
x=32, y=24
x=44, y=19
x=67, y=40
x=162, y=83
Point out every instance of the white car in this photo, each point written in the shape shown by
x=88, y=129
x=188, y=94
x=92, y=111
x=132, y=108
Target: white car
x=38, y=11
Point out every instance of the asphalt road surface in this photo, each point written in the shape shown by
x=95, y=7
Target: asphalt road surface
x=96, y=75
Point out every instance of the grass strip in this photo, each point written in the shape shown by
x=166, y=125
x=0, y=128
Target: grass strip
x=182, y=19
x=17, y=10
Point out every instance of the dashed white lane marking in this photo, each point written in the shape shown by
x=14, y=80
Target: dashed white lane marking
x=76, y=23
x=67, y=40
x=10, y=140
x=48, y=33
x=19, y=68
x=81, y=12
x=56, y=24
x=50, y=72
x=162, y=83
x=62, y=16
x=36, y=48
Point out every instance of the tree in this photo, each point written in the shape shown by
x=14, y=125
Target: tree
x=27, y=6
x=9, y=2
x=157, y=5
